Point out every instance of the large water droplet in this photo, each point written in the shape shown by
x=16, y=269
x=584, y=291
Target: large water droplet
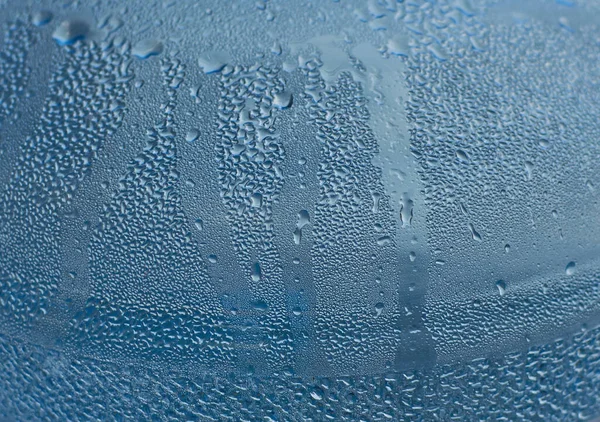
x=303, y=219
x=570, y=268
x=212, y=62
x=147, y=48
x=283, y=99
x=70, y=31
x=192, y=135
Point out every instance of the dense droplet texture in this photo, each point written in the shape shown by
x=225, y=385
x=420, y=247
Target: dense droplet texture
x=166, y=309
x=299, y=211
x=55, y=158
x=250, y=156
x=352, y=217
x=488, y=183
x=14, y=71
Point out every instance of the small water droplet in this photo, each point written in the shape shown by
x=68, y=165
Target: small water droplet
x=590, y=185
x=461, y=155
x=528, y=170
x=474, y=234
x=297, y=236
x=501, y=285
x=256, y=200
x=276, y=49
x=570, y=268
x=316, y=396
x=41, y=18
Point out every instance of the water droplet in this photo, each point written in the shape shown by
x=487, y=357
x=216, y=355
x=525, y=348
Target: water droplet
x=437, y=51
x=192, y=135
x=316, y=396
x=398, y=46
x=590, y=185
x=260, y=305
x=276, y=49
x=303, y=219
x=544, y=143
x=70, y=31
x=212, y=62
x=464, y=6
x=283, y=99
x=255, y=272
x=384, y=240
x=501, y=285
x=406, y=211
x=147, y=48
x=570, y=268
x=297, y=236
x=462, y=156
x=41, y=18
x=199, y=224
x=474, y=234
x=528, y=170
x=256, y=200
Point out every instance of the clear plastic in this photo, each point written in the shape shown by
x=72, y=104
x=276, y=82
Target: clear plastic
x=271, y=210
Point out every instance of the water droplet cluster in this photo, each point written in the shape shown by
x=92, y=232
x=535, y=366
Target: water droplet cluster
x=250, y=155
x=77, y=116
x=14, y=72
x=263, y=212
x=553, y=382
x=351, y=205
x=165, y=309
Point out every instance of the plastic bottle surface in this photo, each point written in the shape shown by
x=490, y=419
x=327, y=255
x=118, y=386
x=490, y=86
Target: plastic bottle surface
x=300, y=210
